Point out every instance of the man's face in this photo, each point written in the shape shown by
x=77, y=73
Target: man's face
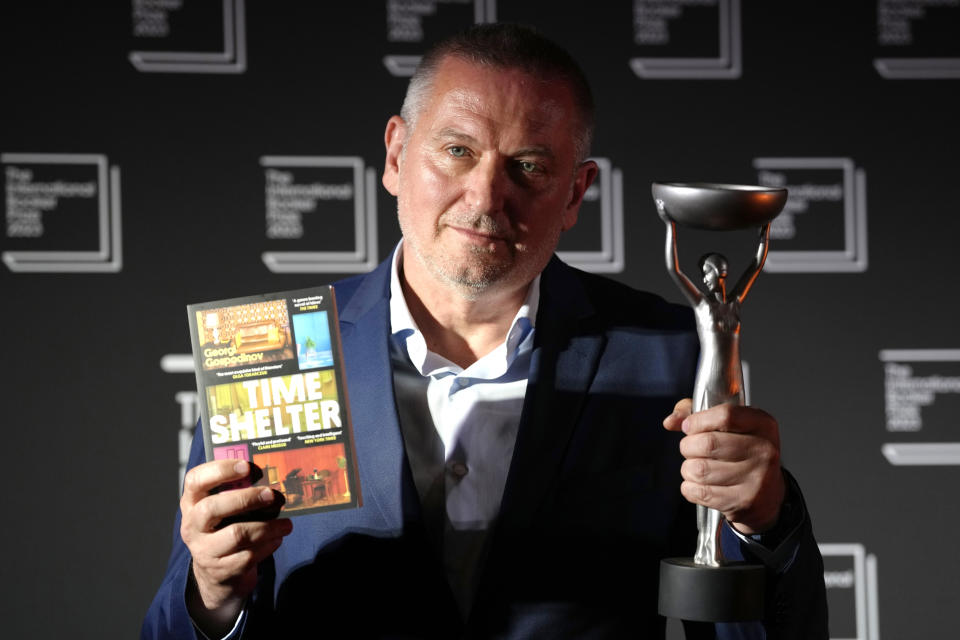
x=487, y=179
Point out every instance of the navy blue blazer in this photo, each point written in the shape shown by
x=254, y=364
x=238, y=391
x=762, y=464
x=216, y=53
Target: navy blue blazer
x=590, y=506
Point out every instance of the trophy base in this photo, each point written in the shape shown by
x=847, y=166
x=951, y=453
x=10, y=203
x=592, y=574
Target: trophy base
x=690, y=591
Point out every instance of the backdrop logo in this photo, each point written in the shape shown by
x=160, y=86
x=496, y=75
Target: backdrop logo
x=189, y=410
x=918, y=38
x=823, y=227
x=409, y=37
x=850, y=575
x=195, y=30
x=62, y=213
x=322, y=210
x=595, y=243
x=693, y=39
x=922, y=399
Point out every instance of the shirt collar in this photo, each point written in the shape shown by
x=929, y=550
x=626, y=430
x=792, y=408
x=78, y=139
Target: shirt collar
x=404, y=330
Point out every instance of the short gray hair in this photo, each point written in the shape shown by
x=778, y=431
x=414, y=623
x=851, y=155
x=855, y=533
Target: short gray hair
x=508, y=46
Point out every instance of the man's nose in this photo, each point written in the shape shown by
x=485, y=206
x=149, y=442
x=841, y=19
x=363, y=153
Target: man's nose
x=487, y=185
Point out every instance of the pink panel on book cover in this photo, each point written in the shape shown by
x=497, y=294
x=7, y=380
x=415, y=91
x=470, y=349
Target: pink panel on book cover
x=236, y=452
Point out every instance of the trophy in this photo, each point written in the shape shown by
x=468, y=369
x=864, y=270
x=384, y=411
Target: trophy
x=706, y=587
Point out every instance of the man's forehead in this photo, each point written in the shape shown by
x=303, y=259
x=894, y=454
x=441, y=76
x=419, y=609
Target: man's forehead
x=469, y=101
x=464, y=92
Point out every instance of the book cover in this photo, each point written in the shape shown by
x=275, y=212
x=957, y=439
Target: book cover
x=271, y=391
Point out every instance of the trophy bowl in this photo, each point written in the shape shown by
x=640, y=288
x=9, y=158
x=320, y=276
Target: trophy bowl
x=719, y=207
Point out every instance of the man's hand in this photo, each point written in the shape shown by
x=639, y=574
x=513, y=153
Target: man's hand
x=225, y=559
x=732, y=463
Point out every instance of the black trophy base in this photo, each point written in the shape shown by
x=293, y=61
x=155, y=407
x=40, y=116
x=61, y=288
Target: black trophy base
x=690, y=591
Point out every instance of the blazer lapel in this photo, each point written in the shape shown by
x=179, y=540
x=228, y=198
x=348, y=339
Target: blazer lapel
x=385, y=477
x=563, y=366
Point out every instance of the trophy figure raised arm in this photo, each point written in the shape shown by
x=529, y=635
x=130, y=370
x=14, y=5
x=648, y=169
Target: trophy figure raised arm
x=707, y=587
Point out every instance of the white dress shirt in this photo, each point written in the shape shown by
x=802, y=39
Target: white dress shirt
x=475, y=412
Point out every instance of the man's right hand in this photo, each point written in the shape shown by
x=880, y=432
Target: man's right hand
x=225, y=559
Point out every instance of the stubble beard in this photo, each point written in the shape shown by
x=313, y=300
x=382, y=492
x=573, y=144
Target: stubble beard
x=472, y=277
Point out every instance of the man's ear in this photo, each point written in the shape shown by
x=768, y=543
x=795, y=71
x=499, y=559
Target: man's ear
x=393, y=139
x=584, y=177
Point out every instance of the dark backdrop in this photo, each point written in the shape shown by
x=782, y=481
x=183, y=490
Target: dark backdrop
x=160, y=153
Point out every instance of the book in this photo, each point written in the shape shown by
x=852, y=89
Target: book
x=271, y=391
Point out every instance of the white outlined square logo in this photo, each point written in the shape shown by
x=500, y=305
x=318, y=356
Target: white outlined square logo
x=596, y=242
x=917, y=40
x=62, y=213
x=850, y=575
x=921, y=397
x=325, y=201
x=823, y=227
x=152, y=20
x=407, y=32
x=671, y=34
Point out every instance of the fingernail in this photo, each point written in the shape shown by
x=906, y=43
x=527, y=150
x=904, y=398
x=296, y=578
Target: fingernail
x=685, y=425
x=266, y=496
x=241, y=466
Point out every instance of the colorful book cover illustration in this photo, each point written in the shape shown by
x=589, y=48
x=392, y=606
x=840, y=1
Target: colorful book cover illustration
x=271, y=391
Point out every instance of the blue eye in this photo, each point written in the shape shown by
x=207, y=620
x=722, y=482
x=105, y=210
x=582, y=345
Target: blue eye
x=457, y=152
x=528, y=167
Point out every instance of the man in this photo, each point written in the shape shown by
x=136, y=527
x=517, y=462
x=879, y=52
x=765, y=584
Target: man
x=507, y=410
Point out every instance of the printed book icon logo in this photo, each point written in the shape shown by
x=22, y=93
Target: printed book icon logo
x=921, y=398
x=151, y=20
x=921, y=35
x=323, y=211
x=850, y=575
x=672, y=35
x=823, y=227
x=405, y=28
x=596, y=242
x=62, y=213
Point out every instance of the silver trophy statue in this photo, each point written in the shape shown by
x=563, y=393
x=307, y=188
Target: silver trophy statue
x=707, y=587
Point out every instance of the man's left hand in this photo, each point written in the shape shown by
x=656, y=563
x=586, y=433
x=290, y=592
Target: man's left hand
x=732, y=463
